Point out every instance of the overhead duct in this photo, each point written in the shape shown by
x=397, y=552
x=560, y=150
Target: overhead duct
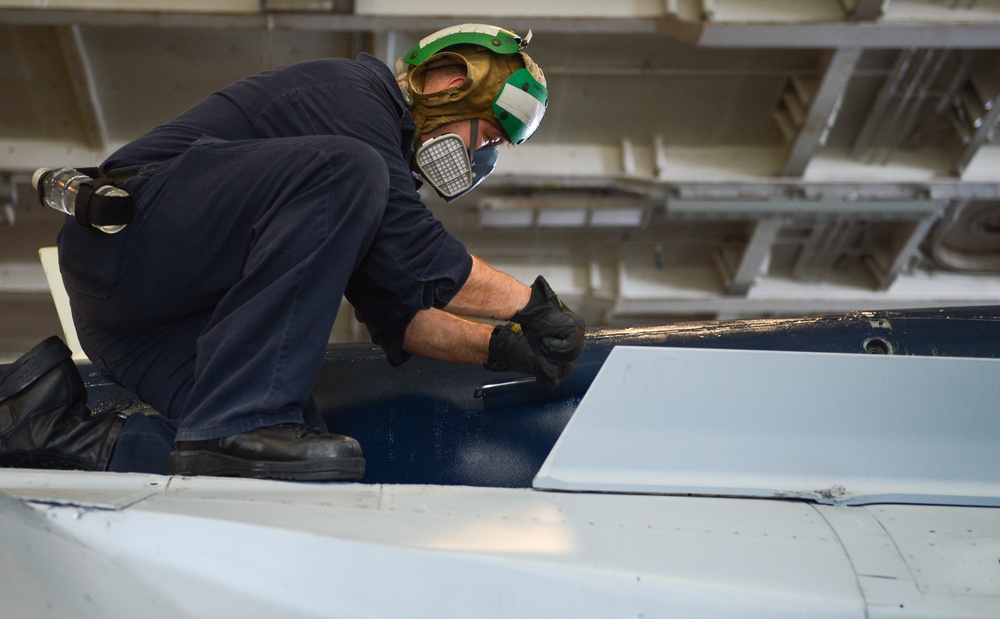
x=968, y=237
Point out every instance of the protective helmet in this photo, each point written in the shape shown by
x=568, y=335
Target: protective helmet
x=503, y=84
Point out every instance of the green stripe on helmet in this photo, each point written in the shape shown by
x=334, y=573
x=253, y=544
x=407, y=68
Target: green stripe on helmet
x=520, y=105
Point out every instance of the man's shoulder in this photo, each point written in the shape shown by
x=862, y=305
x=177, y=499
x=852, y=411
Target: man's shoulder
x=327, y=72
x=319, y=69
x=312, y=76
x=364, y=71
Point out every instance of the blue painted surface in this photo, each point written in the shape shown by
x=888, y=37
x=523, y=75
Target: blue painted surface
x=423, y=424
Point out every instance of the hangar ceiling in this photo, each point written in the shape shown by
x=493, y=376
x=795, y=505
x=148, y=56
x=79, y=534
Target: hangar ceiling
x=699, y=159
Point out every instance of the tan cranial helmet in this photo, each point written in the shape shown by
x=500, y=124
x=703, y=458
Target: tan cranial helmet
x=503, y=85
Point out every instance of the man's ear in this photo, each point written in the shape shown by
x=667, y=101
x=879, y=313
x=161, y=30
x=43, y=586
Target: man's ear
x=439, y=79
x=455, y=82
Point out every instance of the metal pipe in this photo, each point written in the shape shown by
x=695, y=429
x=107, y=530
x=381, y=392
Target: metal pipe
x=864, y=139
x=889, y=130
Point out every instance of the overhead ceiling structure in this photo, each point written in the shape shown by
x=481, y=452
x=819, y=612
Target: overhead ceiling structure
x=699, y=158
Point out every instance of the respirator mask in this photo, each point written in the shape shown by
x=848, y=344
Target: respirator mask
x=450, y=168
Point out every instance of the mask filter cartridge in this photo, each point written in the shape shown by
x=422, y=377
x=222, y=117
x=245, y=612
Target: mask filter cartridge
x=444, y=163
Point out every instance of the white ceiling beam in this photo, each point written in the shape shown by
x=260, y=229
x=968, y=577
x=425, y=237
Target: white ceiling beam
x=748, y=190
x=811, y=209
x=755, y=255
x=785, y=297
x=327, y=22
x=785, y=30
x=879, y=35
x=825, y=244
x=763, y=11
x=905, y=244
x=660, y=165
x=214, y=6
x=980, y=137
x=627, y=311
x=822, y=110
x=894, y=82
x=985, y=91
x=23, y=156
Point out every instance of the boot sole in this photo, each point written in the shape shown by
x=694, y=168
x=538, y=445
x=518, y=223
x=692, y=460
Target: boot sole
x=220, y=465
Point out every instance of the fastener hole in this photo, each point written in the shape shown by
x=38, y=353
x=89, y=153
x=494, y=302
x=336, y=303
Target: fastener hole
x=878, y=346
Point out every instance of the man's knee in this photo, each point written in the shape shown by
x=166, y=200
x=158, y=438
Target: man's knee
x=356, y=162
x=366, y=162
x=360, y=178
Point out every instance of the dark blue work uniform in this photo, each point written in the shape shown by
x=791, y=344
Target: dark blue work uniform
x=257, y=210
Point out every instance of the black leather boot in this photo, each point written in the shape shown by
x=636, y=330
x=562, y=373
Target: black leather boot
x=44, y=419
x=286, y=451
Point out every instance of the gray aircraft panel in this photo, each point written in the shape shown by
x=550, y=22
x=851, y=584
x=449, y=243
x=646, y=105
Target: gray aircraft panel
x=841, y=429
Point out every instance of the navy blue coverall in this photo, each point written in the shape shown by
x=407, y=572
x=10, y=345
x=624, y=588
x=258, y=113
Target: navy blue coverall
x=257, y=210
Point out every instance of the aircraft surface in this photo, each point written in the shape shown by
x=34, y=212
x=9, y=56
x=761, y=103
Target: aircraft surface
x=826, y=466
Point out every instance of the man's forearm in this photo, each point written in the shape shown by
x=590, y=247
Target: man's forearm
x=435, y=334
x=546, y=340
x=446, y=336
x=489, y=293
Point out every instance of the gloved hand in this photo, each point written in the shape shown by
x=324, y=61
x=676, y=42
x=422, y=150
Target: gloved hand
x=509, y=351
x=553, y=331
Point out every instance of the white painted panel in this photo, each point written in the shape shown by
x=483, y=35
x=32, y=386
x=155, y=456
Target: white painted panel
x=253, y=548
x=48, y=573
x=845, y=429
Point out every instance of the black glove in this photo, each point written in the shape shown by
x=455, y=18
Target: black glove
x=553, y=331
x=509, y=351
